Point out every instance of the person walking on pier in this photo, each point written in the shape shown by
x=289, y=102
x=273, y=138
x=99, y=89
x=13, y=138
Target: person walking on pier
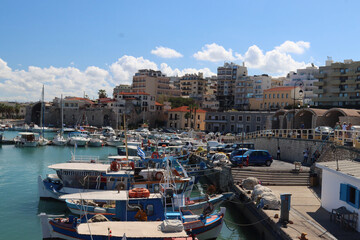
x=306, y=155
x=278, y=154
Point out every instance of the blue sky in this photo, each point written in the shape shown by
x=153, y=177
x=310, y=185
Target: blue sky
x=77, y=46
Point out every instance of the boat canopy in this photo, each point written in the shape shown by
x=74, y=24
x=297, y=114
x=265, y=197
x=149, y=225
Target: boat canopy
x=122, y=195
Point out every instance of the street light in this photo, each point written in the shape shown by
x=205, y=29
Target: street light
x=300, y=84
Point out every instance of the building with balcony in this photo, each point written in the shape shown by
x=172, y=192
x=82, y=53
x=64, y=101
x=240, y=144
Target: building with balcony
x=226, y=83
x=154, y=83
x=193, y=86
x=183, y=118
x=338, y=85
x=305, y=77
x=250, y=87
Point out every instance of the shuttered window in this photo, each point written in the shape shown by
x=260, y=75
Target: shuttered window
x=350, y=195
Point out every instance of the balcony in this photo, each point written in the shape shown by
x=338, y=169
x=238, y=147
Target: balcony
x=318, y=91
x=334, y=82
x=319, y=83
x=335, y=90
x=320, y=75
x=350, y=89
x=330, y=99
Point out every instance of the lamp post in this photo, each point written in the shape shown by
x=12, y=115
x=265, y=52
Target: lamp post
x=300, y=84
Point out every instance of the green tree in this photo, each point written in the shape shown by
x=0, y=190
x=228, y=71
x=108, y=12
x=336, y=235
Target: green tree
x=179, y=102
x=102, y=93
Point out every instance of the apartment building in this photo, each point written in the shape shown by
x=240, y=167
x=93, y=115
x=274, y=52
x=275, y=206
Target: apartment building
x=193, y=86
x=338, y=85
x=227, y=76
x=154, y=83
x=281, y=97
x=250, y=87
x=122, y=88
x=305, y=78
x=182, y=118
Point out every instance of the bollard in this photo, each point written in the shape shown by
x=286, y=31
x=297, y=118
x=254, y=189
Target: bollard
x=285, y=207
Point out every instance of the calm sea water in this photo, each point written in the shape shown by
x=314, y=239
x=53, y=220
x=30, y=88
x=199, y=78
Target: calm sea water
x=19, y=169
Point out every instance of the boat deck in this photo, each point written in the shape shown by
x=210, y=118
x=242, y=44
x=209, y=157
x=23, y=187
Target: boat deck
x=130, y=229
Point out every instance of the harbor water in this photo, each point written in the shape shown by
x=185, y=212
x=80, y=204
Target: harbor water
x=19, y=171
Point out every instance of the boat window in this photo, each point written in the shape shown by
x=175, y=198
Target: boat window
x=150, y=210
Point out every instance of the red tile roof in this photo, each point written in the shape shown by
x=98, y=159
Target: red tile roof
x=186, y=109
x=279, y=89
x=158, y=104
x=133, y=93
x=80, y=99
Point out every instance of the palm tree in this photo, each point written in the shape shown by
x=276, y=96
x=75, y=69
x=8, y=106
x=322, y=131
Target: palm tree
x=102, y=93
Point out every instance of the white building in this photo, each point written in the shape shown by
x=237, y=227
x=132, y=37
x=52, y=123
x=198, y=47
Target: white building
x=341, y=185
x=306, y=77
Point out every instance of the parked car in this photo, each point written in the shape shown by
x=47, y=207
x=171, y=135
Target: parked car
x=324, y=130
x=253, y=157
x=243, y=145
x=238, y=152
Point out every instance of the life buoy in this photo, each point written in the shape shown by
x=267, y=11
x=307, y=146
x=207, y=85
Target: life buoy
x=159, y=175
x=155, y=155
x=114, y=166
x=139, y=193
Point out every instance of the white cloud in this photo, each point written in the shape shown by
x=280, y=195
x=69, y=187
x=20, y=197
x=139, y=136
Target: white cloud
x=177, y=72
x=26, y=85
x=293, y=47
x=277, y=61
x=165, y=52
x=214, y=53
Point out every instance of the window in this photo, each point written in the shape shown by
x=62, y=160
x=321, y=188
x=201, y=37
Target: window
x=223, y=118
x=349, y=194
x=150, y=210
x=258, y=119
x=198, y=117
x=278, y=95
x=273, y=95
x=240, y=118
x=232, y=118
x=258, y=128
x=265, y=96
x=287, y=95
x=282, y=95
x=248, y=118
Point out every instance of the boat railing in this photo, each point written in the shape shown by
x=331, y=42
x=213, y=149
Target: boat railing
x=87, y=159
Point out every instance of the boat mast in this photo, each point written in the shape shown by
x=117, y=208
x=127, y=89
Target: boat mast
x=42, y=117
x=126, y=146
x=62, y=116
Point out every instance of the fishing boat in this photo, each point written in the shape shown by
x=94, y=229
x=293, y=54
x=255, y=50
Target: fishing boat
x=88, y=173
x=140, y=209
x=114, y=141
x=79, y=139
x=95, y=140
x=27, y=139
x=59, y=140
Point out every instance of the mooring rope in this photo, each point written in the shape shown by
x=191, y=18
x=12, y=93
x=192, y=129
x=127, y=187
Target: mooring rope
x=247, y=224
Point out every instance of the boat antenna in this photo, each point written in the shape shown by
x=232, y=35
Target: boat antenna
x=85, y=212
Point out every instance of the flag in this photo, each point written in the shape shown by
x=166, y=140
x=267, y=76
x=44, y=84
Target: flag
x=140, y=153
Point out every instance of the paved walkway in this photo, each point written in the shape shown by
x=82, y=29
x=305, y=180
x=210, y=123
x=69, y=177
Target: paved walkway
x=308, y=216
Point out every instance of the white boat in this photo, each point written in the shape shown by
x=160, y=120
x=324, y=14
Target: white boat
x=95, y=140
x=27, y=139
x=108, y=131
x=114, y=141
x=59, y=140
x=78, y=138
x=43, y=141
